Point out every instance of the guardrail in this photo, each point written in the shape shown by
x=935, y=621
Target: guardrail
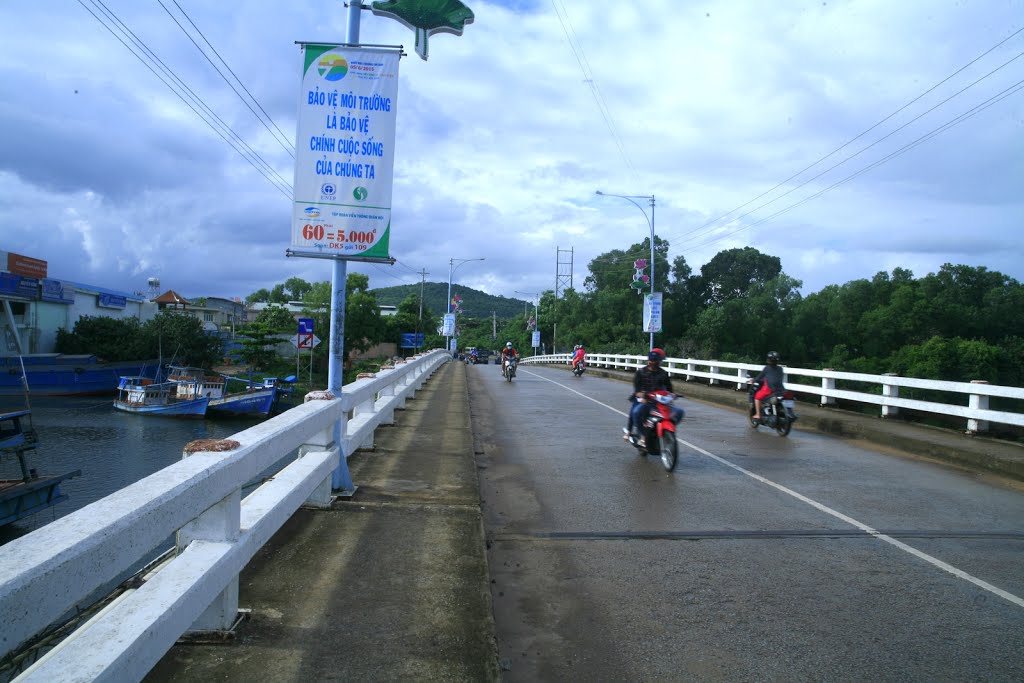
x=52, y=570
x=976, y=394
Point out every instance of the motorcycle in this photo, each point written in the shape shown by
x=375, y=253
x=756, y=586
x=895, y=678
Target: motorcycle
x=658, y=433
x=777, y=411
x=579, y=368
x=510, y=368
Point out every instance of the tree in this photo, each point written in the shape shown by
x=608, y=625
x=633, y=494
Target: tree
x=730, y=274
x=256, y=337
x=277, y=319
x=180, y=338
x=260, y=295
x=277, y=295
x=297, y=288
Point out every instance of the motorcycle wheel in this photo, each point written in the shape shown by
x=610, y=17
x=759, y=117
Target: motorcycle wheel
x=783, y=424
x=669, y=451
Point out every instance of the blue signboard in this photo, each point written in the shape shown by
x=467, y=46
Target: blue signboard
x=19, y=286
x=111, y=301
x=411, y=341
x=305, y=326
x=58, y=292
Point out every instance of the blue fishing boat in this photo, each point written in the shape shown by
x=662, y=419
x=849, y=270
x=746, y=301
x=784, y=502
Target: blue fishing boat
x=143, y=396
x=253, y=400
x=31, y=493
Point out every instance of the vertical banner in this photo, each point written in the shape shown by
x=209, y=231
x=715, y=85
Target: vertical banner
x=344, y=151
x=448, y=328
x=652, y=312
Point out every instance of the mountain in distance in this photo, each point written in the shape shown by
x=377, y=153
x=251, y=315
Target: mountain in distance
x=475, y=303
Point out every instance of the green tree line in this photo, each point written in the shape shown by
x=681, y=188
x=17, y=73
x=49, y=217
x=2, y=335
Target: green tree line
x=961, y=323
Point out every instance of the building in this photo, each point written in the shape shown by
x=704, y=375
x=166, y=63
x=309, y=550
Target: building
x=217, y=314
x=34, y=306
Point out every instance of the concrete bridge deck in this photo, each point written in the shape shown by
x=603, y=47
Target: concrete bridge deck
x=394, y=584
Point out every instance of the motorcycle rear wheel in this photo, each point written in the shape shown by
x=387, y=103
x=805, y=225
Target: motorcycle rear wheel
x=669, y=451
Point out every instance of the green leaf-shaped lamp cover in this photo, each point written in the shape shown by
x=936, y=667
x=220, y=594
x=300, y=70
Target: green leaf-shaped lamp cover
x=426, y=17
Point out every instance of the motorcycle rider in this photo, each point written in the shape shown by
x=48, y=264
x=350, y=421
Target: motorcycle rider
x=507, y=354
x=578, y=355
x=649, y=378
x=771, y=382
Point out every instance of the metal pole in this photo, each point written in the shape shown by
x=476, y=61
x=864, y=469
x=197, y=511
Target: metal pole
x=341, y=480
x=650, y=222
x=652, y=263
x=448, y=305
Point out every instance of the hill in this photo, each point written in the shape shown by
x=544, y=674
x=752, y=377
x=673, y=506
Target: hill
x=475, y=303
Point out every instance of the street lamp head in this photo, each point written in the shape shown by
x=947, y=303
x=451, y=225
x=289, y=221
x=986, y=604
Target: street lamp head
x=598, y=192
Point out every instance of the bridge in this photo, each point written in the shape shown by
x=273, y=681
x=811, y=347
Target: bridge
x=504, y=531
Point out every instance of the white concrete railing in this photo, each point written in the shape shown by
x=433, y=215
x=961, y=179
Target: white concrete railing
x=52, y=570
x=976, y=394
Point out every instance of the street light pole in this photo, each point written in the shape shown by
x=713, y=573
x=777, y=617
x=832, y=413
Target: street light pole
x=650, y=223
x=451, y=269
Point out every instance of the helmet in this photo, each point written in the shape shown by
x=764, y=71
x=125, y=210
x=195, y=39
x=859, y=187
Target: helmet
x=656, y=354
x=508, y=345
x=773, y=356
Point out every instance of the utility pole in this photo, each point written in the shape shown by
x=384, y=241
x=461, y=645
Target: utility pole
x=419, y=321
x=494, y=325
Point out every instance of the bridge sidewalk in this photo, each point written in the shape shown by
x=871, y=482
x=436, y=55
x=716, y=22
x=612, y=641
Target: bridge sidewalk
x=391, y=585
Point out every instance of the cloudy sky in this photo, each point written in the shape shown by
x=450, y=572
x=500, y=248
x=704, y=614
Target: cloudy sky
x=714, y=107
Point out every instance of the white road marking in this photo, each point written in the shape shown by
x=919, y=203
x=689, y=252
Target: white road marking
x=827, y=510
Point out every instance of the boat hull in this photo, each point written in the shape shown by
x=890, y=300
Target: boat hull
x=187, y=408
x=256, y=403
x=62, y=375
x=19, y=499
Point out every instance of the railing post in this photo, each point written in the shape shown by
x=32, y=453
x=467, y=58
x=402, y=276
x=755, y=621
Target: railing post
x=890, y=391
x=322, y=441
x=387, y=392
x=828, y=384
x=714, y=380
x=341, y=480
x=978, y=402
x=690, y=367
x=741, y=381
x=220, y=523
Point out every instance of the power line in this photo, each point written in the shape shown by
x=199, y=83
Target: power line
x=588, y=77
x=864, y=149
x=864, y=132
x=977, y=109
x=195, y=98
x=287, y=148
x=251, y=157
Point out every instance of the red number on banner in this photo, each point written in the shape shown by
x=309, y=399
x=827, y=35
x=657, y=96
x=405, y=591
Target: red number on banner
x=313, y=232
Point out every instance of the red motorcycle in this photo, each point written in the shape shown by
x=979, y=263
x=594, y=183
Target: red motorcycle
x=657, y=435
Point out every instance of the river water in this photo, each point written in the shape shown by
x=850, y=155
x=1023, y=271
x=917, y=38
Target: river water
x=112, y=449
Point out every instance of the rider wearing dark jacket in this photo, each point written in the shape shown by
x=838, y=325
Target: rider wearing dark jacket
x=771, y=382
x=649, y=378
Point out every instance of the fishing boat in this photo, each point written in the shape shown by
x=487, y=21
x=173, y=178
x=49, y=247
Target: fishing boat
x=31, y=493
x=254, y=399
x=143, y=396
x=59, y=374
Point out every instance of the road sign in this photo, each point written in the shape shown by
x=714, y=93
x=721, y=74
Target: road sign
x=652, y=312
x=305, y=326
x=411, y=341
x=305, y=341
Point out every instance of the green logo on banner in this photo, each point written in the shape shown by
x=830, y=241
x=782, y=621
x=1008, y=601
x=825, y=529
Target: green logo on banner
x=360, y=193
